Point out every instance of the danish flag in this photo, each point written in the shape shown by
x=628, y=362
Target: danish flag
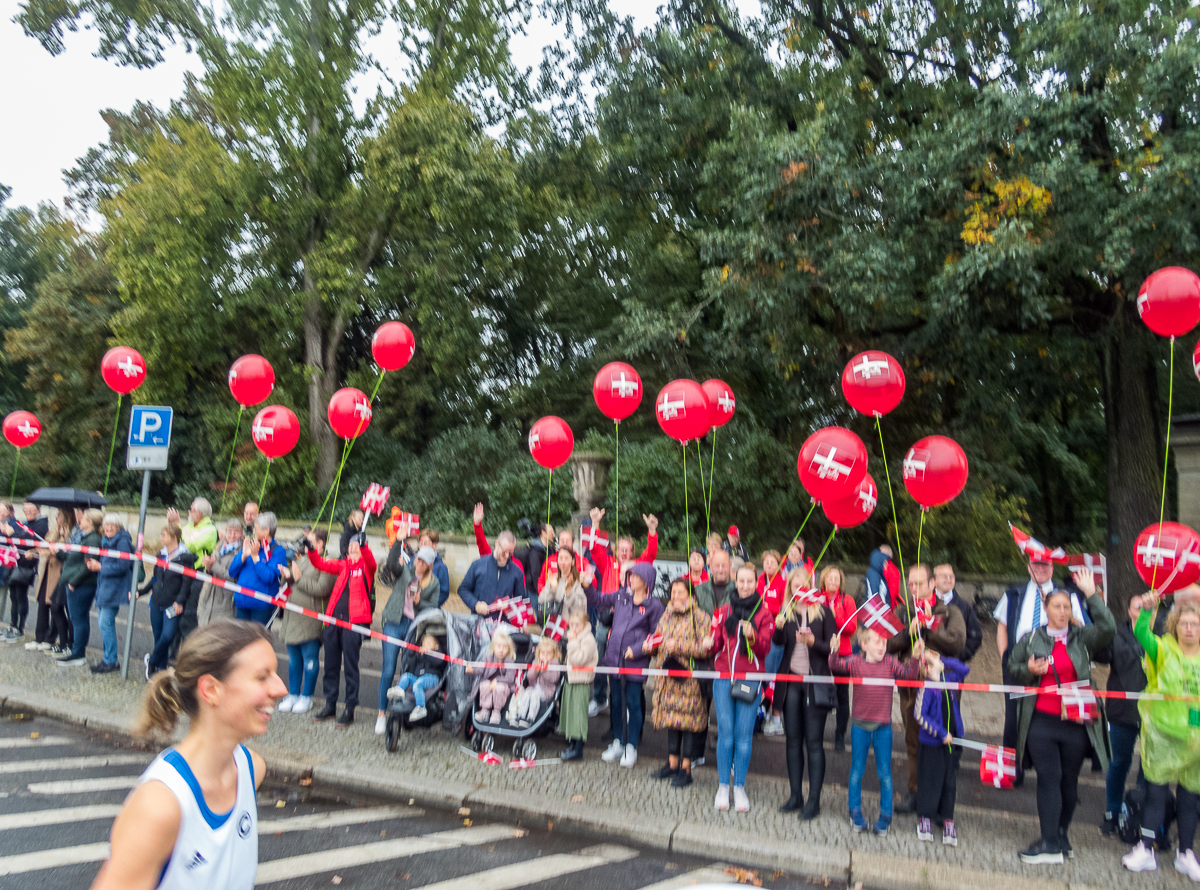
x=1163, y=552
x=623, y=388
x=668, y=409
x=556, y=628
x=591, y=536
x=998, y=766
x=1080, y=704
x=1035, y=549
x=128, y=368
x=914, y=463
x=868, y=368
x=826, y=465
x=809, y=595
x=260, y=432
x=8, y=557
x=880, y=618
x=654, y=640
x=375, y=498
x=516, y=611
x=491, y=758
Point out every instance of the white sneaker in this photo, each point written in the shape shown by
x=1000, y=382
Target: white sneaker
x=146, y=664
x=286, y=705
x=773, y=725
x=303, y=703
x=33, y=646
x=395, y=692
x=1186, y=863
x=741, y=803
x=630, y=756
x=612, y=752
x=593, y=708
x=722, y=801
x=418, y=713
x=380, y=724
x=1140, y=858
x=45, y=647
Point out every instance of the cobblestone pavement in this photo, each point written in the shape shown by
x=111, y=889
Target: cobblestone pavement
x=432, y=769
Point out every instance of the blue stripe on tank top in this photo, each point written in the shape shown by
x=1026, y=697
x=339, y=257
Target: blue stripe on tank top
x=250, y=764
x=214, y=821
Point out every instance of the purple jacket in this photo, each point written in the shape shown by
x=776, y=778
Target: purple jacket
x=630, y=625
x=931, y=702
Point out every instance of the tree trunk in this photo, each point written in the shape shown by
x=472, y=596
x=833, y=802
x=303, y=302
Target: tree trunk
x=1135, y=446
x=322, y=370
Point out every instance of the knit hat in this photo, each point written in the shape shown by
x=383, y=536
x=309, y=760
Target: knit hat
x=646, y=572
x=427, y=555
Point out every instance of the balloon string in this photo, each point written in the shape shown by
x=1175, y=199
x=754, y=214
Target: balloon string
x=112, y=447
x=687, y=518
x=920, y=536
x=549, y=491
x=337, y=484
x=798, y=533
x=237, y=429
x=262, y=490
x=346, y=449
x=700, y=461
x=891, y=497
x=12, y=491
x=712, y=469
x=828, y=541
x=329, y=494
x=1162, y=503
x=617, y=533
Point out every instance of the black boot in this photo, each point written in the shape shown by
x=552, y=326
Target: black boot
x=326, y=713
x=816, y=779
x=795, y=768
x=346, y=719
x=667, y=772
x=573, y=751
x=908, y=804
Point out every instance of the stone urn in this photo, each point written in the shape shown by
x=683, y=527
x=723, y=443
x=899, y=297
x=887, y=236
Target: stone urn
x=588, y=472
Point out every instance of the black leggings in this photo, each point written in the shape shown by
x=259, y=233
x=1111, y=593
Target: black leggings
x=685, y=744
x=53, y=625
x=18, y=596
x=1155, y=812
x=804, y=725
x=1058, y=748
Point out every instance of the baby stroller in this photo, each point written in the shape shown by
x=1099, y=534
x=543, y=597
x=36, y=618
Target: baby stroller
x=483, y=736
x=430, y=622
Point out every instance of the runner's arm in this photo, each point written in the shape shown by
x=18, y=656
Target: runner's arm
x=260, y=768
x=142, y=840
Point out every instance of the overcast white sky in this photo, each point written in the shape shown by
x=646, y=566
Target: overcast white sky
x=51, y=105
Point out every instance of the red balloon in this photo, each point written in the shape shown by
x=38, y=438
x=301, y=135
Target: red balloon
x=22, y=429
x=551, y=442
x=682, y=410
x=1169, y=301
x=123, y=369
x=832, y=462
x=617, y=390
x=721, y=402
x=349, y=412
x=275, y=431
x=1168, y=559
x=393, y=345
x=251, y=380
x=855, y=509
x=873, y=383
x=935, y=470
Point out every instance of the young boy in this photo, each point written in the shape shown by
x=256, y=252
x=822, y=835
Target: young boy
x=939, y=718
x=871, y=718
x=424, y=672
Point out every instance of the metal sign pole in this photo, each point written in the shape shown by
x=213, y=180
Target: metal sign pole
x=134, y=583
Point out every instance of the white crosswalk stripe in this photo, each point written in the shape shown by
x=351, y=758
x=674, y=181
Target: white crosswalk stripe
x=41, y=742
x=335, y=819
x=715, y=874
x=65, y=763
x=83, y=786
x=53, y=858
x=509, y=877
x=65, y=815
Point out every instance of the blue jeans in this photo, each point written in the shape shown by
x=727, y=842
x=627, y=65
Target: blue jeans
x=108, y=632
x=771, y=666
x=165, y=624
x=419, y=686
x=619, y=704
x=735, y=733
x=861, y=742
x=1122, y=736
x=262, y=616
x=303, y=667
x=391, y=655
x=79, y=607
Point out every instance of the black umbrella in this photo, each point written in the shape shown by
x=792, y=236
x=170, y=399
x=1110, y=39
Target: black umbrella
x=67, y=498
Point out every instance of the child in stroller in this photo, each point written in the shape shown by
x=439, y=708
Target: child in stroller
x=495, y=683
x=542, y=707
x=541, y=684
x=424, y=673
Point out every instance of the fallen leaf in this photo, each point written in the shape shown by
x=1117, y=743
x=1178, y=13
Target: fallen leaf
x=279, y=804
x=33, y=735
x=744, y=875
x=464, y=811
x=549, y=826
x=466, y=821
x=306, y=781
x=578, y=798
x=383, y=833
x=337, y=879
x=411, y=801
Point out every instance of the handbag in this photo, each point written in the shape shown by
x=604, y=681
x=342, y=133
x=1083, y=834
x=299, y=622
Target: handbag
x=744, y=690
x=820, y=695
x=21, y=576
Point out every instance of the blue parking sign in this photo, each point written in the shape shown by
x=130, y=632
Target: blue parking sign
x=149, y=437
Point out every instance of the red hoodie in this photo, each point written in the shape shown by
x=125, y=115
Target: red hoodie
x=608, y=567
x=772, y=593
x=355, y=575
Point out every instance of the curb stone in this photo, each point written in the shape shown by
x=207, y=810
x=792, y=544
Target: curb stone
x=873, y=869
x=816, y=862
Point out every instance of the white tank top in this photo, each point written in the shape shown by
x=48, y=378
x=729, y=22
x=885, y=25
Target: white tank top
x=212, y=851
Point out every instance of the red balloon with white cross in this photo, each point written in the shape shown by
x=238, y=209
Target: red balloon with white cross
x=855, y=509
x=1167, y=556
x=831, y=464
x=123, y=369
x=551, y=442
x=275, y=431
x=617, y=390
x=721, y=402
x=934, y=470
x=349, y=412
x=873, y=383
x=21, y=429
x=682, y=411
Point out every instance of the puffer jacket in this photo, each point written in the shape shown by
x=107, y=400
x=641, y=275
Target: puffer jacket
x=631, y=625
x=582, y=653
x=741, y=662
x=310, y=589
x=116, y=574
x=353, y=580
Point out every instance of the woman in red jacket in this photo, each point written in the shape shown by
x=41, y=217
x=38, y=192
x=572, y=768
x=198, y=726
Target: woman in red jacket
x=350, y=601
x=844, y=607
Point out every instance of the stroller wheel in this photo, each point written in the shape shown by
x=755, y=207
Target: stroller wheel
x=488, y=743
x=516, y=749
x=529, y=750
x=391, y=737
x=476, y=741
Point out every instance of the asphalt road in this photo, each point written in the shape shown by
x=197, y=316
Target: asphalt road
x=61, y=787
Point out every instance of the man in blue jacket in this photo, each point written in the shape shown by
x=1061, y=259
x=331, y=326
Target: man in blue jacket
x=431, y=539
x=256, y=568
x=492, y=577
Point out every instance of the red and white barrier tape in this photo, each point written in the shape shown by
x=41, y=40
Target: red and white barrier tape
x=629, y=672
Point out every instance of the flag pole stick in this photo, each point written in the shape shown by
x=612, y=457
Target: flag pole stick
x=112, y=447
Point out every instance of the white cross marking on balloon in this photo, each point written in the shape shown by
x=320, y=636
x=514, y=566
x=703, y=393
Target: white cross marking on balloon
x=1143, y=302
x=623, y=388
x=26, y=429
x=1155, y=556
x=725, y=403
x=232, y=374
x=668, y=409
x=869, y=368
x=877, y=614
x=363, y=410
x=867, y=496
x=534, y=439
x=912, y=465
x=827, y=465
x=261, y=432
x=128, y=367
